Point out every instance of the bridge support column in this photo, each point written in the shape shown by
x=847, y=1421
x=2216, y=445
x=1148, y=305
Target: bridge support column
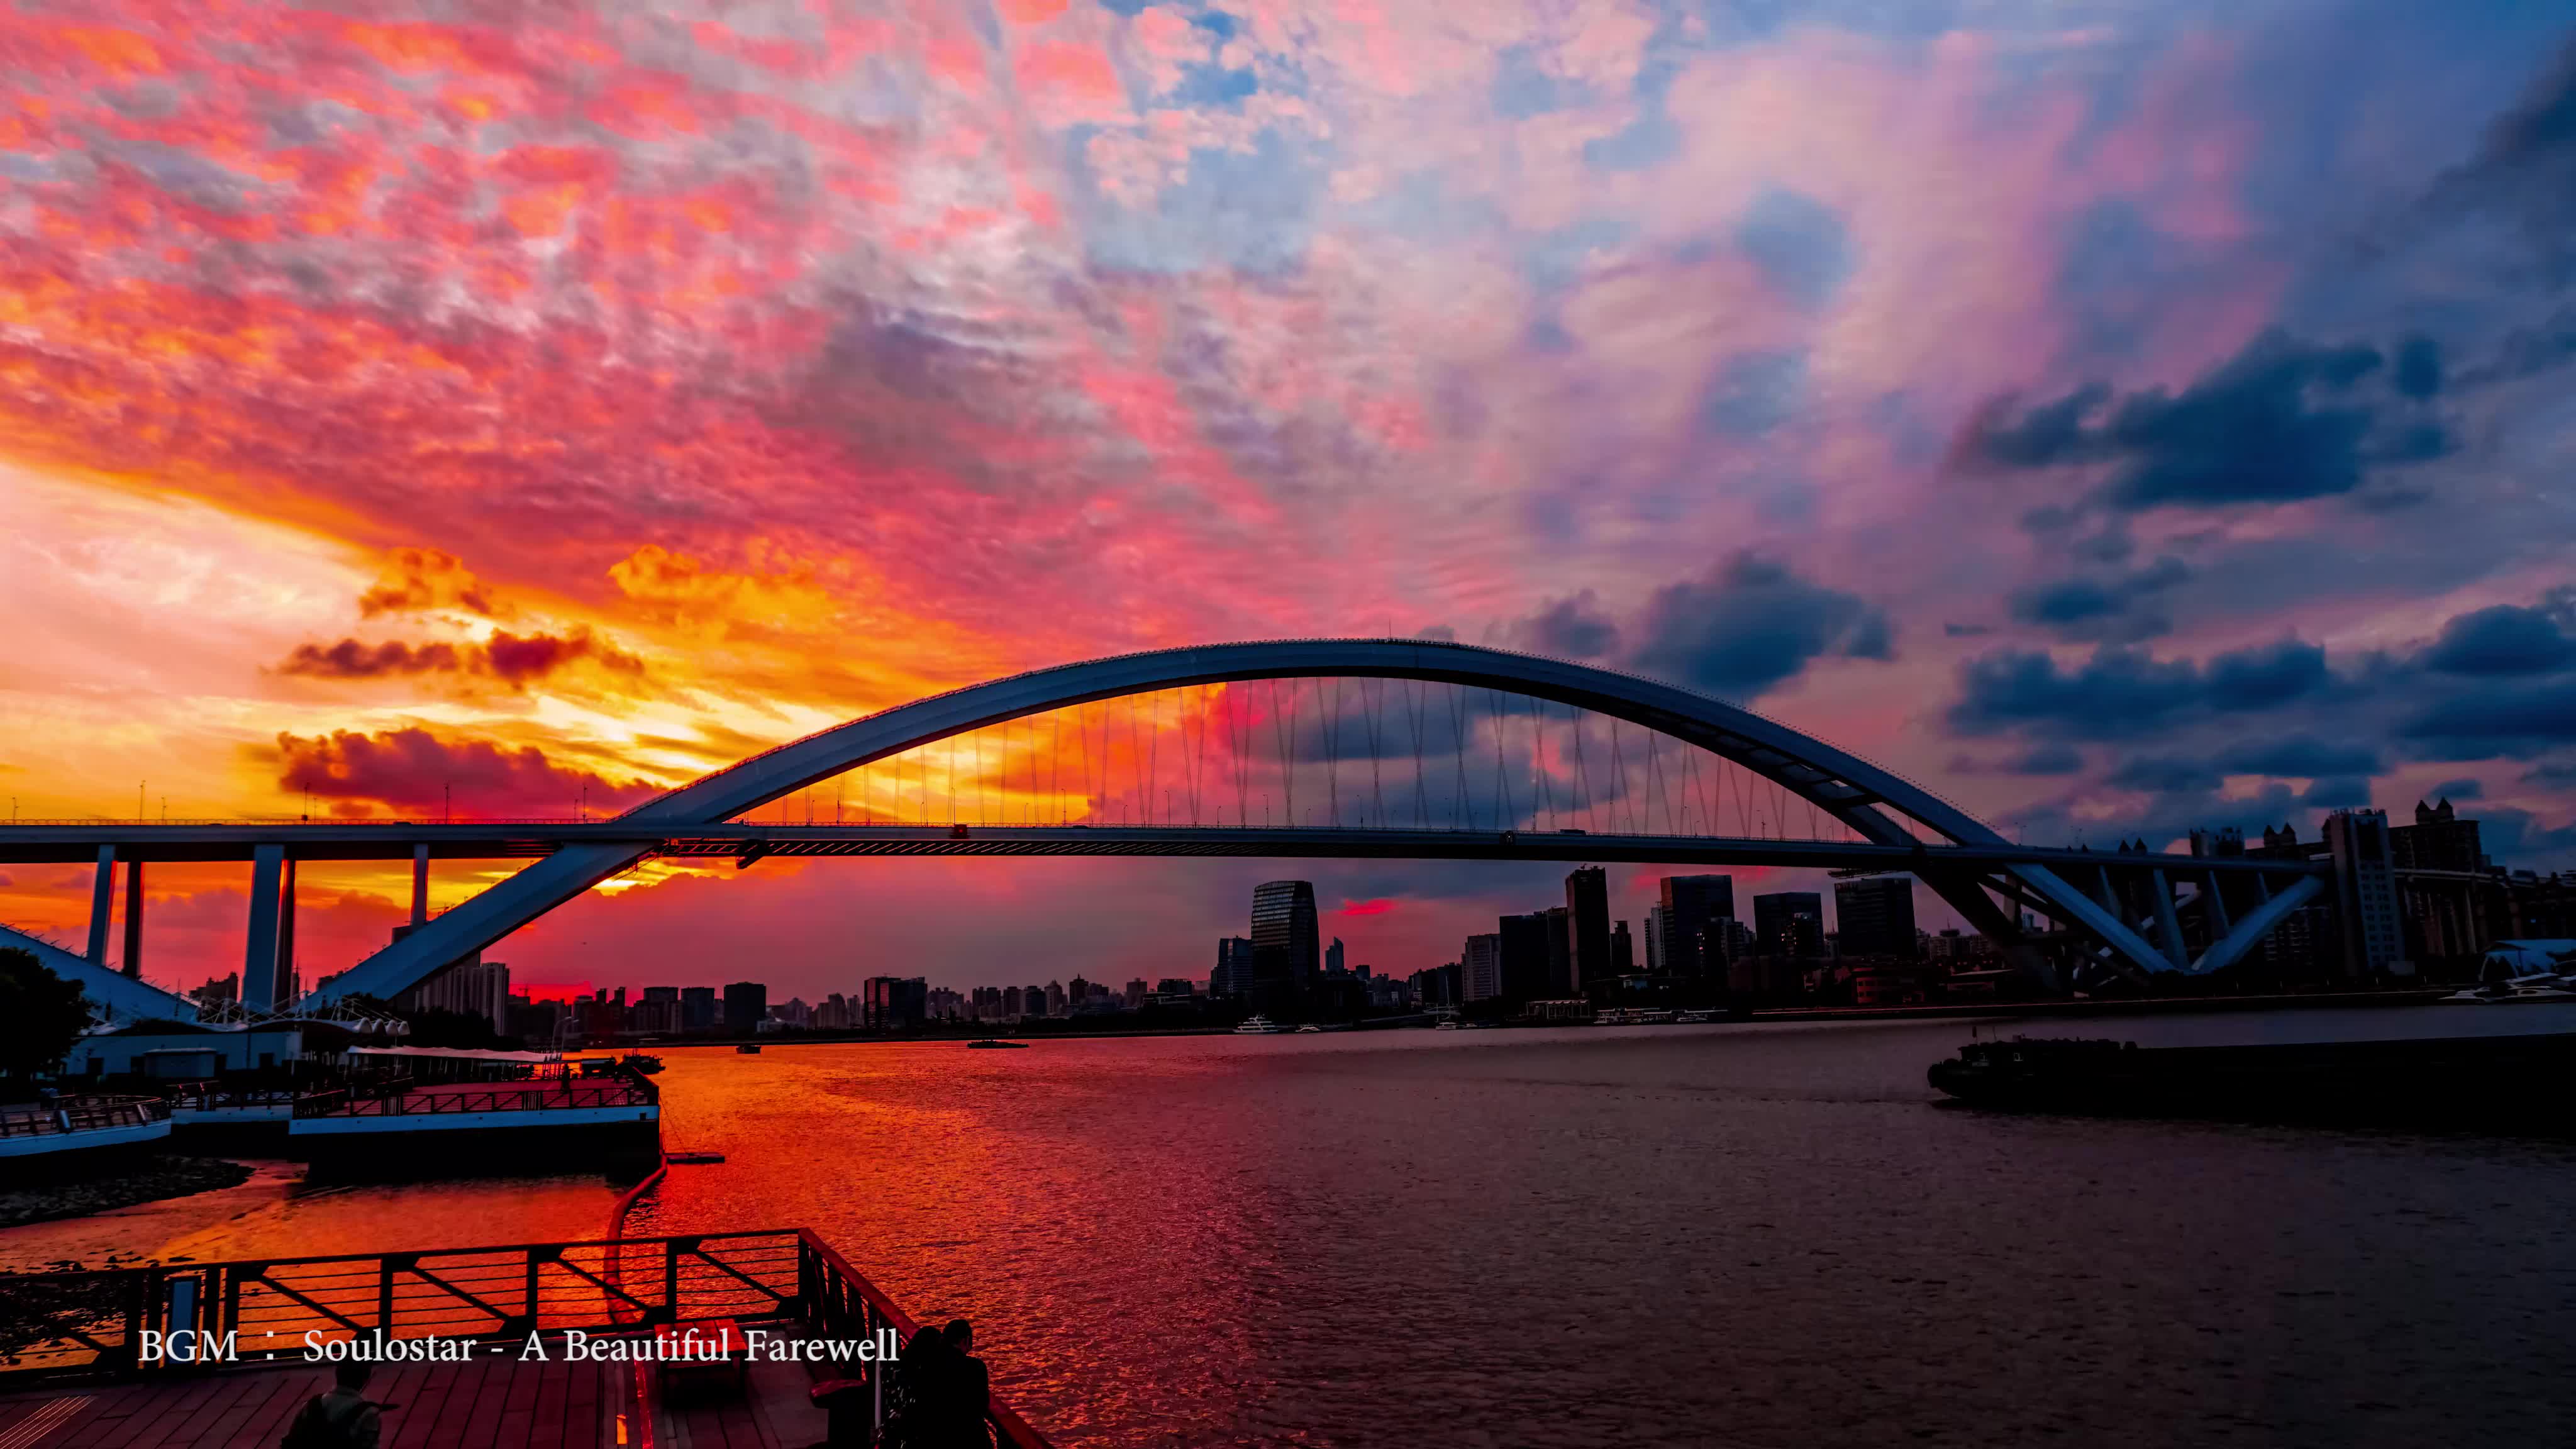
x=134, y=919
x=102, y=904
x=2259, y=923
x=2168, y=925
x=2217, y=910
x=420, y=884
x=259, y=955
x=285, y=992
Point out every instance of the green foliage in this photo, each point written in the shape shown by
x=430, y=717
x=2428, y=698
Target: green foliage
x=41, y=1015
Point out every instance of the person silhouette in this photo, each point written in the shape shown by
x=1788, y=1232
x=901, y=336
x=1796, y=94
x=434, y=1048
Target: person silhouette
x=969, y=1389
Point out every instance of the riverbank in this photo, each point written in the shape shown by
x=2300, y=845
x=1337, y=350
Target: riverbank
x=129, y=1184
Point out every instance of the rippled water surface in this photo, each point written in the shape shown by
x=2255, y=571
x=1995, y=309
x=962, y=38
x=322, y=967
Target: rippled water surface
x=1764, y=1235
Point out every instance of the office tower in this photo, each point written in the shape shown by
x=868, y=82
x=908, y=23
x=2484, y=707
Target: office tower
x=1656, y=954
x=471, y=987
x=1690, y=902
x=1055, y=998
x=746, y=1005
x=894, y=1003
x=1560, y=953
x=1334, y=959
x=2366, y=893
x=1789, y=924
x=1284, y=946
x=1623, y=951
x=1524, y=967
x=1587, y=937
x=1874, y=916
x=1233, y=973
x=1480, y=968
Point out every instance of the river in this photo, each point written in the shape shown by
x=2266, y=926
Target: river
x=1763, y=1235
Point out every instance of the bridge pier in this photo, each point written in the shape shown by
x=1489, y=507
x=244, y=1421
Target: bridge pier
x=134, y=918
x=420, y=884
x=102, y=904
x=259, y=955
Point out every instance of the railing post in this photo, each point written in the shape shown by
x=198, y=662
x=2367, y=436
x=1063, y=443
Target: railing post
x=530, y=1290
x=671, y=1278
x=385, y=1296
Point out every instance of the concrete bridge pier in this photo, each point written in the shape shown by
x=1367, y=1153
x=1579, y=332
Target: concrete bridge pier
x=420, y=884
x=134, y=918
x=102, y=904
x=259, y=954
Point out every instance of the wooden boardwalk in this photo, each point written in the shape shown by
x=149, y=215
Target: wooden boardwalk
x=496, y=1402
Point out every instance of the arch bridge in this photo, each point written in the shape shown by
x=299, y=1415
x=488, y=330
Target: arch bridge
x=1491, y=772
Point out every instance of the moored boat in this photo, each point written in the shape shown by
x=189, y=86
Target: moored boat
x=1258, y=1025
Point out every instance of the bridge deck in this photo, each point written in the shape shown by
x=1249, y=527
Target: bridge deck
x=396, y=840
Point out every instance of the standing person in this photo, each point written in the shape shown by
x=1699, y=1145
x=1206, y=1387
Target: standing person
x=340, y=1418
x=921, y=1378
x=970, y=1390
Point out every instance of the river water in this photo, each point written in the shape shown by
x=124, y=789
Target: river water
x=1764, y=1235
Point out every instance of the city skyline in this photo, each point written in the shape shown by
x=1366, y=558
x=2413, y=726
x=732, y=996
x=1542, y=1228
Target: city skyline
x=2184, y=458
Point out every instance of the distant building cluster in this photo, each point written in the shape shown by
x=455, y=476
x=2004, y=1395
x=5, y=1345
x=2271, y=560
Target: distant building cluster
x=2406, y=900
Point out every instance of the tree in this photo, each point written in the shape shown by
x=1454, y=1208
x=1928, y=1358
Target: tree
x=41, y=1015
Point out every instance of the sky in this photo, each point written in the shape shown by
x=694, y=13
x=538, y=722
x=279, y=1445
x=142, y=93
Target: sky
x=2122, y=417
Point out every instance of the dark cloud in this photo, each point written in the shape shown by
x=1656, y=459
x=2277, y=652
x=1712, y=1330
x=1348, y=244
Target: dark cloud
x=513, y=659
x=2512, y=721
x=2294, y=758
x=1571, y=628
x=2118, y=608
x=2124, y=693
x=2503, y=640
x=416, y=773
x=2282, y=421
x=1751, y=624
x=2524, y=169
x=2464, y=788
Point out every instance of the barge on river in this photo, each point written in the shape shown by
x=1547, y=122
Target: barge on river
x=2471, y=1083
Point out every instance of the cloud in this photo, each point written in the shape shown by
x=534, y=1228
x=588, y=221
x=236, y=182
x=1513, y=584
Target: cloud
x=2118, y=608
x=1569, y=628
x=2513, y=721
x=2121, y=693
x=2503, y=640
x=416, y=773
x=420, y=579
x=1750, y=624
x=2281, y=421
x=515, y=660
x=2467, y=787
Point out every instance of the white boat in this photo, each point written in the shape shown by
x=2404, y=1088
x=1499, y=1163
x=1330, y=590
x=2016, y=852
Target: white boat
x=1445, y=1026
x=1310, y=1028
x=1258, y=1025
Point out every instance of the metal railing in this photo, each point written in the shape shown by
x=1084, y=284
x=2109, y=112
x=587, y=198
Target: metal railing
x=55, y=1325
x=82, y=1114
x=503, y=1097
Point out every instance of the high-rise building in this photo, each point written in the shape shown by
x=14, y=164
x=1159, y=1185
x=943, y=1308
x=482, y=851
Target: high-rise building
x=1789, y=924
x=2374, y=941
x=1284, y=946
x=1137, y=992
x=1334, y=960
x=471, y=987
x=1874, y=916
x=1480, y=968
x=1655, y=926
x=1690, y=902
x=894, y=1003
x=1560, y=953
x=746, y=1005
x=1587, y=933
x=1524, y=946
x=1623, y=951
x=697, y=1008
x=1055, y=998
x=1233, y=973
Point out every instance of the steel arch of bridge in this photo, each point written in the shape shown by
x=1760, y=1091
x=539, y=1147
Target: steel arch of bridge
x=1850, y=789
